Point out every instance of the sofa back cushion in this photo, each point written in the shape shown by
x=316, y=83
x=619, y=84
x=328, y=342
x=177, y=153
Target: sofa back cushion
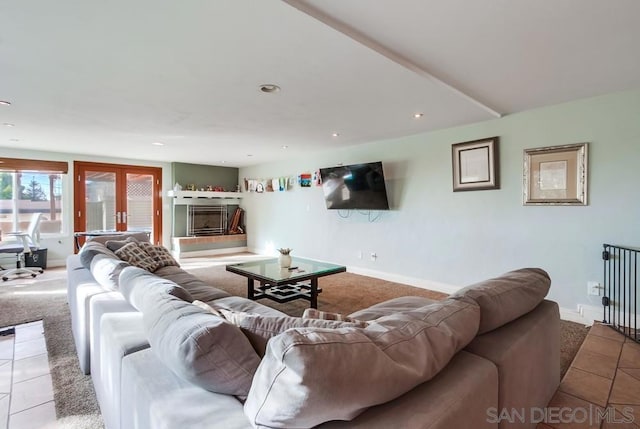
x=136, y=284
x=140, y=236
x=106, y=270
x=92, y=248
x=196, y=345
x=312, y=375
x=507, y=297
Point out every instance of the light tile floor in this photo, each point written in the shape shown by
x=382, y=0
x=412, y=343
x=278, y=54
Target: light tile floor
x=26, y=391
x=602, y=385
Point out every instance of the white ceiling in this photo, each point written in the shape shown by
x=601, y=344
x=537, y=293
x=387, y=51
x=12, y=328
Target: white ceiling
x=111, y=77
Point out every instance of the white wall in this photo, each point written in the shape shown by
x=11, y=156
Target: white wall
x=435, y=235
x=59, y=246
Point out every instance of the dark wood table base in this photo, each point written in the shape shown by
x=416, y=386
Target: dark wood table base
x=285, y=292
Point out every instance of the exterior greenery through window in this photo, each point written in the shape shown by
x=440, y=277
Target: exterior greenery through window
x=27, y=191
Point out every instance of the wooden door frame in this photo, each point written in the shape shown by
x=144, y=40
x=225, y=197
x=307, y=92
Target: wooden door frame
x=121, y=170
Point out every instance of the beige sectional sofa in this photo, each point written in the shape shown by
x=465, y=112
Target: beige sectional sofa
x=166, y=350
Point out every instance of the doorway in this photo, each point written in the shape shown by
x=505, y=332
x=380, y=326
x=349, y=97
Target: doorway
x=116, y=197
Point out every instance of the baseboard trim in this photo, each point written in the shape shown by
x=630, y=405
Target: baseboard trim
x=583, y=314
x=411, y=281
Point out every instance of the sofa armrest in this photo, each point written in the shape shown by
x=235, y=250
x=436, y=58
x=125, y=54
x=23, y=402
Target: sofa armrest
x=526, y=352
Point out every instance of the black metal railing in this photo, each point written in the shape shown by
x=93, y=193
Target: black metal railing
x=620, y=298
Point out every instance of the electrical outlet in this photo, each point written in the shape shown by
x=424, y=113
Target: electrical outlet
x=593, y=288
x=374, y=256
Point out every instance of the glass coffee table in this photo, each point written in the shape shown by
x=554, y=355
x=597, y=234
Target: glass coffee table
x=285, y=284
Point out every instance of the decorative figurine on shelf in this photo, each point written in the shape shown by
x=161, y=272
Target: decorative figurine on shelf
x=177, y=187
x=209, y=188
x=284, y=258
x=190, y=187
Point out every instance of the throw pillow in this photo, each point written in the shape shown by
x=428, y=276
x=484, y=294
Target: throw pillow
x=207, y=307
x=312, y=313
x=259, y=328
x=160, y=254
x=137, y=256
x=309, y=376
x=114, y=245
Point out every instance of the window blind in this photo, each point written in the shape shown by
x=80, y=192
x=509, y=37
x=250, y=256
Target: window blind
x=17, y=165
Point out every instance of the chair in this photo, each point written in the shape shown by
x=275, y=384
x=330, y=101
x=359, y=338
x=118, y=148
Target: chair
x=26, y=242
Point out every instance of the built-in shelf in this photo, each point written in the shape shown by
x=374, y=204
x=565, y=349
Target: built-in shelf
x=197, y=197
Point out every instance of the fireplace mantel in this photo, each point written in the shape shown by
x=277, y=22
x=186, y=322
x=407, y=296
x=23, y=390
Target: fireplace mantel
x=187, y=197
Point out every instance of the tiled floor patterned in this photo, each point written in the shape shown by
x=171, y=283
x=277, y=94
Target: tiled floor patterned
x=601, y=389
x=26, y=391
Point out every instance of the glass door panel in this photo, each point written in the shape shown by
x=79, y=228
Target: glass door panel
x=100, y=201
x=139, y=211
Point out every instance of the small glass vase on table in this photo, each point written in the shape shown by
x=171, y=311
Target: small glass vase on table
x=284, y=258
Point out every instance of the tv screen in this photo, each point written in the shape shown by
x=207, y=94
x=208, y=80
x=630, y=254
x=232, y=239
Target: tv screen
x=358, y=186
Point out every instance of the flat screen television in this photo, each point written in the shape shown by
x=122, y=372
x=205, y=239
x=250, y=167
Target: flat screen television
x=358, y=186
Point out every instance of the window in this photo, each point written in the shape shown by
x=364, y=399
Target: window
x=30, y=186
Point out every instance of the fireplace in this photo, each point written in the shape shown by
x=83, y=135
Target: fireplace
x=207, y=220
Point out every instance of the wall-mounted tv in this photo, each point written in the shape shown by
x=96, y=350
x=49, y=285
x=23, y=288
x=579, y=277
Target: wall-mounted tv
x=358, y=186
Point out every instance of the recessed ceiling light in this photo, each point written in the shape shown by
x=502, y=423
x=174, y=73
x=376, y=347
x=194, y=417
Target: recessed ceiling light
x=285, y=147
x=6, y=103
x=7, y=124
x=14, y=140
x=249, y=154
x=418, y=115
x=269, y=88
x=157, y=144
x=335, y=135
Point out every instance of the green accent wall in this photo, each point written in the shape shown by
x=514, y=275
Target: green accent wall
x=204, y=175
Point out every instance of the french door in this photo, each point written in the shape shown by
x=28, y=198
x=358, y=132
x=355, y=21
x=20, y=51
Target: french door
x=115, y=197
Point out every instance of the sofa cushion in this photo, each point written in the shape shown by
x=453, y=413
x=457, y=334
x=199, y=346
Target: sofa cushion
x=140, y=236
x=507, y=297
x=312, y=375
x=106, y=270
x=313, y=313
x=259, y=329
x=396, y=305
x=196, y=287
x=137, y=256
x=196, y=345
x=90, y=249
x=136, y=283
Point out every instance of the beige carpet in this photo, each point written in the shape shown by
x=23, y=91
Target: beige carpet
x=44, y=298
